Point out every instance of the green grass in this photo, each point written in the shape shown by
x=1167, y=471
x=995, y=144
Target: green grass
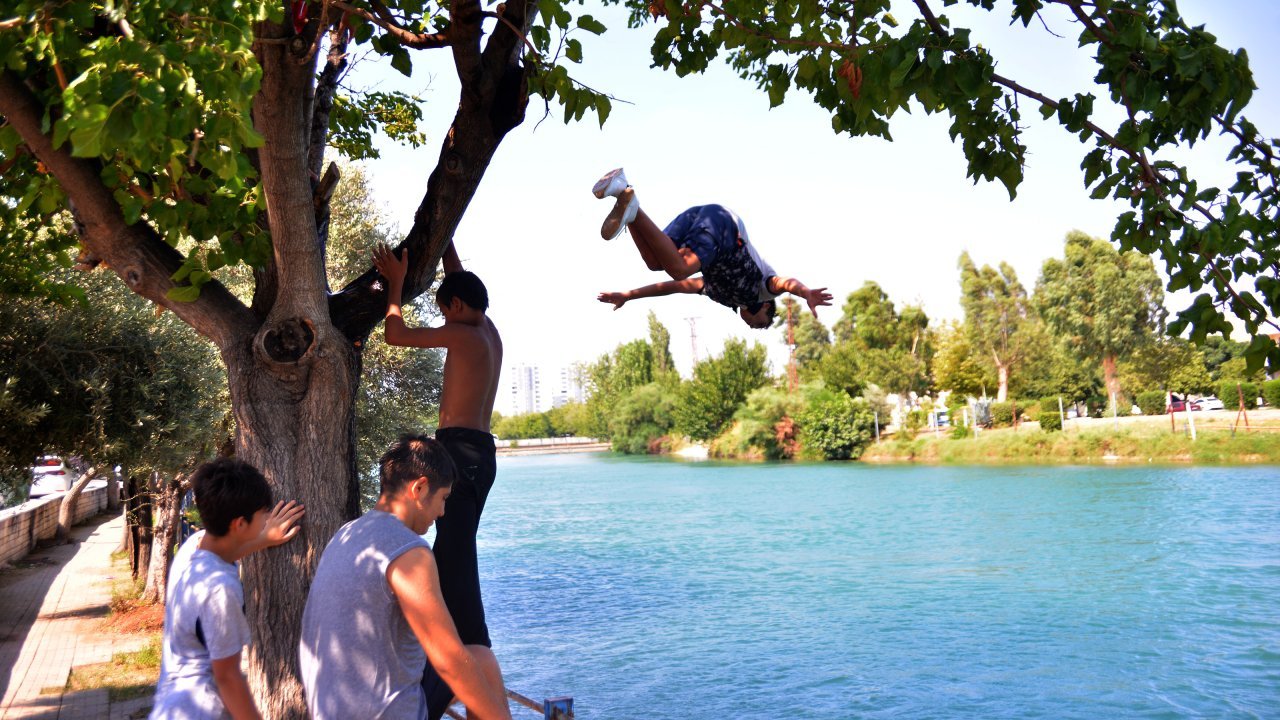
x=127, y=676
x=1147, y=443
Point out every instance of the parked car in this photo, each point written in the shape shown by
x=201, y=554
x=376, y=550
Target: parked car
x=1209, y=403
x=50, y=475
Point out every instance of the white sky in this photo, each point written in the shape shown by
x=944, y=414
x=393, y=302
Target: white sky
x=831, y=210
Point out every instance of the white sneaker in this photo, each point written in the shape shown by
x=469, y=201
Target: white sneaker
x=613, y=182
x=623, y=213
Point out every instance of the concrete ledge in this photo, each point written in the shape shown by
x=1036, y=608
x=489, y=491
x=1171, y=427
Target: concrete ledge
x=23, y=526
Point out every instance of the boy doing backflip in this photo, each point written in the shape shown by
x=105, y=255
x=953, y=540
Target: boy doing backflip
x=709, y=239
x=471, y=369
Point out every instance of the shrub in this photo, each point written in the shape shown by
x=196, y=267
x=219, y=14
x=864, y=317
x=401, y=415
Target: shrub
x=1049, y=421
x=913, y=422
x=836, y=425
x=1152, y=402
x=960, y=432
x=1231, y=396
x=1271, y=392
x=1001, y=414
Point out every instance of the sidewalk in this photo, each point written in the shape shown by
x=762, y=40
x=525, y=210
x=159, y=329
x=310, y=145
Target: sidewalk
x=50, y=606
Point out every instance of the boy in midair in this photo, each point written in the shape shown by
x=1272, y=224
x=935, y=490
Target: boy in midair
x=473, y=363
x=709, y=239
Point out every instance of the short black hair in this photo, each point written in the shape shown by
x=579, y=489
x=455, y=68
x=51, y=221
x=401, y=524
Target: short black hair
x=412, y=457
x=227, y=489
x=754, y=308
x=465, y=286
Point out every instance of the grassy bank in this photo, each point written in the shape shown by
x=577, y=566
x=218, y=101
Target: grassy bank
x=1151, y=442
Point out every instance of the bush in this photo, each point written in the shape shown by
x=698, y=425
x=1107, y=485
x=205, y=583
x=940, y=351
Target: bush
x=914, y=421
x=1001, y=414
x=960, y=432
x=836, y=425
x=1230, y=396
x=1049, y=421
x=1152, y=402
x=642, y=416
x=1271, y=392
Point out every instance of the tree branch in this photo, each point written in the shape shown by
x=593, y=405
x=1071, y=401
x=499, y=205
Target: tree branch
x=408, y=38
x=135, y=252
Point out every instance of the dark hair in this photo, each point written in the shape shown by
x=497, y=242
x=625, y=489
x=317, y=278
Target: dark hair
x=465, y=286
x=227, y=489
x=412, y=457
x=754, y=308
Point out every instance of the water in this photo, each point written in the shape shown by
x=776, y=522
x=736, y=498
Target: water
x=660, y=589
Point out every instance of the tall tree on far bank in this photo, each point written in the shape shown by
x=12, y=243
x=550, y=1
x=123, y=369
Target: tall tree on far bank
x=957, y=367
x=1106, y=303
x=812, y=338
x=720, y=384
x=996, y=308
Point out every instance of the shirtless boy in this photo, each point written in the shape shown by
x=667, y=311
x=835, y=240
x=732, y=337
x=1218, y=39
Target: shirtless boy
x=706, y=239
x=471, y=369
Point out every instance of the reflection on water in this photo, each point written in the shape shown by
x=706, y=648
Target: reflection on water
x=653, y=588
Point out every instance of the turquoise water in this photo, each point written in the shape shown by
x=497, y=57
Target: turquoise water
x=660, y=589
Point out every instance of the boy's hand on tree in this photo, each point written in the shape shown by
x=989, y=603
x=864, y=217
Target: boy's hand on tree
x=617, y=299
x=282, y=523
x=818, y=297
x=391, y=267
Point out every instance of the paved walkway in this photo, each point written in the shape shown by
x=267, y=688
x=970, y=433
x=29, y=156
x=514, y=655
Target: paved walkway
x=50, y=605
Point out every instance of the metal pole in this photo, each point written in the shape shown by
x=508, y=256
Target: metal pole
x=877, y=414
x=1191, y=420
x=1168, y=398
x=1062, y=416
x=1115, y=416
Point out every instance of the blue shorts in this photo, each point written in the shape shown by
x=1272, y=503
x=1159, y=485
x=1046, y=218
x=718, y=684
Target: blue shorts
x=708, y=230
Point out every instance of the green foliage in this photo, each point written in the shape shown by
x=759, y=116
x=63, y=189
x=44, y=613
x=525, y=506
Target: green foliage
x=996, y=310
x=719, y=385
x=1108, y=303
x=835, y=425
x=913, y=421
x=764, y=423
x=957, y=367
x=1050, y=421
x=1152, y=402
x=960, y=432
x=1230, y=392
x=643, y=416
x=1271, y=393
x=1170, y=363
x=812, y=339
x=1002, y=414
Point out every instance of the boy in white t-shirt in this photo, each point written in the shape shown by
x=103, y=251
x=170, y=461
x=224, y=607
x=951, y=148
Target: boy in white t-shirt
x=204, y=623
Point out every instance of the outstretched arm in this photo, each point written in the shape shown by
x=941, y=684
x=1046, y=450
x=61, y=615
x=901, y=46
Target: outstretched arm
x=450, y=261
x=396, y=332
x=815, y=297
x=670, y=287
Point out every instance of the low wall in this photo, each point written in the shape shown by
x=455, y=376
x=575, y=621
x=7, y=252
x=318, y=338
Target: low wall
x=23, y=526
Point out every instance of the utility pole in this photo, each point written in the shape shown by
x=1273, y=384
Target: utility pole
x=793, y=379
x=693, y=336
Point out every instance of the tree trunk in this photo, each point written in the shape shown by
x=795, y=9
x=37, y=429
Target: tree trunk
x=295, y=422
x=67, y=508
x=168, y=501
x=1110, y=378
x=140, y=535
x=1002, y=373
x=113, y=492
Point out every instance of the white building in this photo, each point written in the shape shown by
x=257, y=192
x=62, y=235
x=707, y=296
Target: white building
x=532, y=388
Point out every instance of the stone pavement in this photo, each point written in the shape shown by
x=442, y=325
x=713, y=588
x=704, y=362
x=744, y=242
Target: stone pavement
x=50, y=605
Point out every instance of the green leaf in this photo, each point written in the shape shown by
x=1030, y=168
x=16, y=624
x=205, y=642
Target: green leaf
x=603, y=108
x=89, y=124
x=591, y=25
x=184, y=293
x=400, y=61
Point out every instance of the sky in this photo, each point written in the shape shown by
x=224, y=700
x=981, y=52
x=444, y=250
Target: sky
x=831, y=210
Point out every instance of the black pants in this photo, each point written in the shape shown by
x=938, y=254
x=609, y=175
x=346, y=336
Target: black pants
x=473, y=453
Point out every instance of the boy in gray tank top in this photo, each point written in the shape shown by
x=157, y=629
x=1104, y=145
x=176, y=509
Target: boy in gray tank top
x=375, y=616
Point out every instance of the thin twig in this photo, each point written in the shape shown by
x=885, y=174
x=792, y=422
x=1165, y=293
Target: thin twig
x=408, y=38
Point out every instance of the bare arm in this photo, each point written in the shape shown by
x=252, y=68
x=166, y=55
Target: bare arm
x=394, y=328
x=450, y=261
x=670, y=287
x=283, y=524
x=234, y=689
x=413, y=579
x=816, y=297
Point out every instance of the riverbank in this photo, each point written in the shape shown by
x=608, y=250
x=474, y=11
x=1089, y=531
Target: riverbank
x=554, y=449
x=1134, y=443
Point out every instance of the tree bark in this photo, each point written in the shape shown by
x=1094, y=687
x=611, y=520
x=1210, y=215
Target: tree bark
x=67, y=508
x=113, y=492
x=1002, y=373
x=1110, y=377
x=168, y=501
x=140, y=535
